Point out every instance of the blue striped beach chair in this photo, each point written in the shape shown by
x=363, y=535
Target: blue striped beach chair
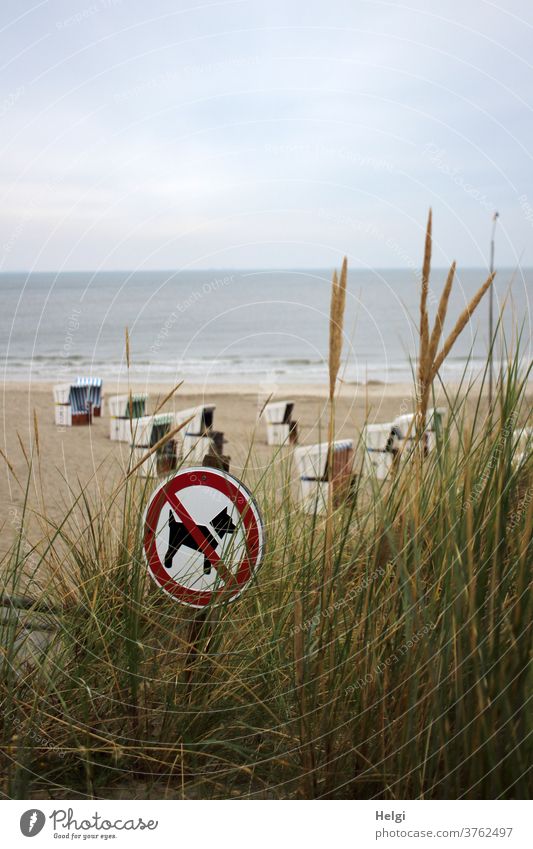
x=94, y=389
x=71, y=405
x=148, y=431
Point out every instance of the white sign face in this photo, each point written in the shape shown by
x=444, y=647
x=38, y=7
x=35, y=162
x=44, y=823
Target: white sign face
x=203, y=537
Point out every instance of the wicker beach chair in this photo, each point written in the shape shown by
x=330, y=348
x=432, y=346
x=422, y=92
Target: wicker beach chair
x=383, y=443
x=198, y=438
x=124, y=412
x=405, y=426
x=71, y=405
x=380, y=443
x=94, y=393
x=281, y=430
x=148, y=431
x=314, y=477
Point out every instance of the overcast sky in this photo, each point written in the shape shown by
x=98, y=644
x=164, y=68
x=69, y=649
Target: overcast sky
x=263, y=133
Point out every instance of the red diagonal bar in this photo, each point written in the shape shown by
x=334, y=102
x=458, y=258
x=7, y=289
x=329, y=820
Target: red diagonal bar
x=204, y=545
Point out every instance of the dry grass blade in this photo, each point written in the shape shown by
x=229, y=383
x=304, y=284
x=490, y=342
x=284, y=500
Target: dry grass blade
x=167, y=397
x=10, y=467
x=298, y=641
x=424, y=322
x=342, y=282
x=441, y=314
x=336, y=323
x=429, y=357
x=127, y=347
x=265, y=404
x=22, y=448
x=332, y=334
x=36, y=432
x=460, y=325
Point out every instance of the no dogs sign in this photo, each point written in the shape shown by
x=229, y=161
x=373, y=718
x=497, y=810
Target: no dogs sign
x=203, y=537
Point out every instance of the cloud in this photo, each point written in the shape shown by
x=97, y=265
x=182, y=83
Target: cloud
x=173, y=135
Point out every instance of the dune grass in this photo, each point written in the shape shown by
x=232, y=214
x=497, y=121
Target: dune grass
x=412, y=682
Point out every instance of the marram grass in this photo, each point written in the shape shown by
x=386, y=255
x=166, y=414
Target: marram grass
x=416, y=688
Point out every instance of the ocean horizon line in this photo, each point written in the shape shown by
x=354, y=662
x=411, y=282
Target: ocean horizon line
x=256, y=269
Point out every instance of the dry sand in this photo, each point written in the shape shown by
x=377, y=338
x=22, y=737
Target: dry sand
x=70, y=458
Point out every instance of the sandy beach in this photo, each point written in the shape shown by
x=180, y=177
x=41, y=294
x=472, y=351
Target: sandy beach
x=77, y=458
x=84, y=457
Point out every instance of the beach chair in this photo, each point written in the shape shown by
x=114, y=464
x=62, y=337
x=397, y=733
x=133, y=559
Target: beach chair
x=315, y=479
x=523, y=439
x=281, y=430
x=31, y=628
x=384, y=442
x=405, y=427
x=71, y=405
x=94, y=393
x=62, y=408
x=198, y=438
x=381, y=444
x=149, y=430
x=123, y=420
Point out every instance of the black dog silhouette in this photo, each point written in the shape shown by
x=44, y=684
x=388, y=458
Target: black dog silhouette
x=178, y=535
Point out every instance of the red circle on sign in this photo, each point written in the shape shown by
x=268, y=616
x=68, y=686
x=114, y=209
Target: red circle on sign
x=168, y=495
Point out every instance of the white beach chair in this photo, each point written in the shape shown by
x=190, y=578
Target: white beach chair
x=281, y=430
x=121, y=425
x=381, y=443
x=312, y=466
x=62, y=408
x=406, y=424
x=406, y=428
x=196, y=439
x=149, y=430
x=71, y=406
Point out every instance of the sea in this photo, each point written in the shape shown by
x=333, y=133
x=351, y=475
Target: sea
x=242, y=326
